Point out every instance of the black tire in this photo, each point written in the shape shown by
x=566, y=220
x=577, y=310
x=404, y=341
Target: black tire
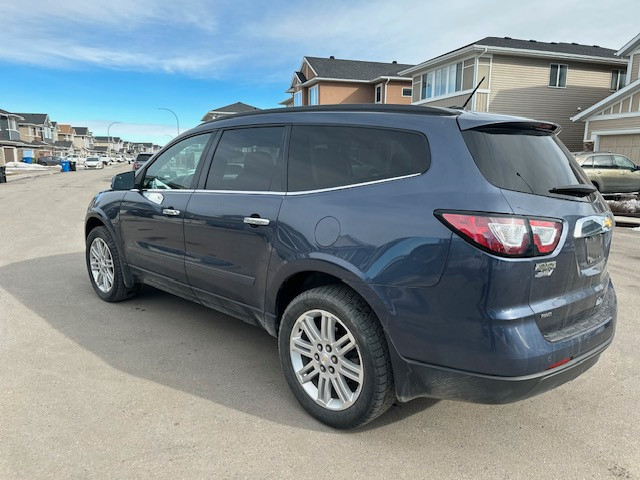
x=119, y=291
x=377, y=392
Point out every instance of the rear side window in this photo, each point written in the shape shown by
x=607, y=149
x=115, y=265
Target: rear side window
x=334, y=156
x=248, y=159
x=523, y=160
x=603, y=161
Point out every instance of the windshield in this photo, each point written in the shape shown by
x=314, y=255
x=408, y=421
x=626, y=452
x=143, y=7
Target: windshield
x=523, y=160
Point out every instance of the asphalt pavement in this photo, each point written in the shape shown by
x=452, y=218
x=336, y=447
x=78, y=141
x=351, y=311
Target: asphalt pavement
x=157, y=387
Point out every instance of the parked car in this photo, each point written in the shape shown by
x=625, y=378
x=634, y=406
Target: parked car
x=141, y=160
x=610, y=172
x=50, y=160
x=93, y=162
x=394, y=251
x=106, y=160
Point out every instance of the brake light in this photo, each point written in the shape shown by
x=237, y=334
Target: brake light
x=546, y=234
x=506, y=235
x=135, y=165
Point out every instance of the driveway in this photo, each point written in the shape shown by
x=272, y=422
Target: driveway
x=160, y=387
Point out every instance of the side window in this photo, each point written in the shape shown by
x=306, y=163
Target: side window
x=327, y=156
x=248, y=159
x=588, y=163
x=602, y=161
x=623, y=162
x=174, y=168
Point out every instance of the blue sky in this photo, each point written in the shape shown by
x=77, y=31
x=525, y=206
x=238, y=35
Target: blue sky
x=91, y=63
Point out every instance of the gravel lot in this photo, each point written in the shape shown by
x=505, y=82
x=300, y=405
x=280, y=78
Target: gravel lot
x=160, y=387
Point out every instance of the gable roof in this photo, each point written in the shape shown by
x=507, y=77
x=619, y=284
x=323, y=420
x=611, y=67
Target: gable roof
x=353, y=69
x=66, y=129
x=34, y=118
x=237, y=107
x=81, y=130
x=629, y=47
x=5, y=113
x=608, y=101
x=594, y=53
x=64, y=144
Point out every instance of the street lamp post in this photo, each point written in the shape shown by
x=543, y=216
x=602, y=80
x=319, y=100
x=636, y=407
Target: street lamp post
x=109, y=138
x=174, y=114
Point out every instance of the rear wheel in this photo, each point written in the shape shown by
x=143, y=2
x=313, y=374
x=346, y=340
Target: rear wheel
x=335, y=357
x=105, y=271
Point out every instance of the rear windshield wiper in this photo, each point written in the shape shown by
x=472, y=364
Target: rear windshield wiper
x=578, y=190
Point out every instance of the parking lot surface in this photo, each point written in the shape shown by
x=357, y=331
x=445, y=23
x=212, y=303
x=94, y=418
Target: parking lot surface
x=161, y=387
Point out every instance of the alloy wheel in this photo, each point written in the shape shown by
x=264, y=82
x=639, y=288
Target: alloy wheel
x=102, y=269
x=326, y=360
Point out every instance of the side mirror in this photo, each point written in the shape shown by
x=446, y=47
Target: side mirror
x=124, y=181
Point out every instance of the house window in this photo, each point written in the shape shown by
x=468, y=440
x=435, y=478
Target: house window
x=378, y=97
x=406, y=92
x=443, y=81
x=313, y=95
x=297, y=98
x=618, y=78
x=558, y=75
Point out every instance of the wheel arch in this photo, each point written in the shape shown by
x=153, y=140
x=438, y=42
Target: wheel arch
x=298, y=277
x=95, y=220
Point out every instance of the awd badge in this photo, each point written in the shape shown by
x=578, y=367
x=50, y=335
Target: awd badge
x=545, y=269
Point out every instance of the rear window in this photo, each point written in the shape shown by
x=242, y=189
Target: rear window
x=143, y=157
x=334, y=156
x=523, y=160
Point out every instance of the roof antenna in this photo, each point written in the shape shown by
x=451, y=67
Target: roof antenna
x=472, y=93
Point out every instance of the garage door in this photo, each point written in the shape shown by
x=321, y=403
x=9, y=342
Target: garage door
x=628, y=145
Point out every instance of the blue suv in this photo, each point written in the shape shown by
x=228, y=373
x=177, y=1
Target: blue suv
x=395, y=252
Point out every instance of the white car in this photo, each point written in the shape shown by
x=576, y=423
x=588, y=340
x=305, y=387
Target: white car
x=106, y=160
x=93, y=162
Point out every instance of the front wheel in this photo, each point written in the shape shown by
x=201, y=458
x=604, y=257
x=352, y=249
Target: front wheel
x=105, y=270
x=335, y=357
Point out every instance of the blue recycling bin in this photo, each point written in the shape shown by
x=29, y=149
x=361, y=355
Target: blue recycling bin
x=65, y=165
x=27, y=160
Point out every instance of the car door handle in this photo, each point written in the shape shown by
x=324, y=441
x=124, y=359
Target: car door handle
x=170, y=212
x=257, y=221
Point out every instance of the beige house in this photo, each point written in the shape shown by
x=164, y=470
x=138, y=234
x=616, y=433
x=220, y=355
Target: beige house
x=326, y=81
x=83, y=142
x=613, y=123
x=547, y=81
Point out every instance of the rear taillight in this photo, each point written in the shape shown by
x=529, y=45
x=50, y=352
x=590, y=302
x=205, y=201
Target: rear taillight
x=505, y=235
x=135, y=165
x=546, y=234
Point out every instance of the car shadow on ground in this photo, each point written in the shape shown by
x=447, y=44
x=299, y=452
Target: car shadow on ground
x=168, y=340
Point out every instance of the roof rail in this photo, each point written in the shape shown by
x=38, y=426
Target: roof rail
x=354, y=107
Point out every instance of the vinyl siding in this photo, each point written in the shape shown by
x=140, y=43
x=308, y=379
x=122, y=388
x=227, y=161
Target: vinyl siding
x=635, y=67
x=455, y=101
x=519, y=86
x=626, y=123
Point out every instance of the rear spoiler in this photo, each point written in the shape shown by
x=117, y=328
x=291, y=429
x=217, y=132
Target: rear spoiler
x=473, y=120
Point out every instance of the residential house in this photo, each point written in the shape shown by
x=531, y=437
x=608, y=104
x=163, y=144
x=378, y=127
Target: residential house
x=613, y=123
x=36, y=132
x=111, y=144
x=65, y=138
x=325, y=81
x=232, y=109
x=548, y=81
x=83, y=141
x=10, y=135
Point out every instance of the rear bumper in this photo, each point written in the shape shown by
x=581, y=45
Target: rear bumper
x=414, y=379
